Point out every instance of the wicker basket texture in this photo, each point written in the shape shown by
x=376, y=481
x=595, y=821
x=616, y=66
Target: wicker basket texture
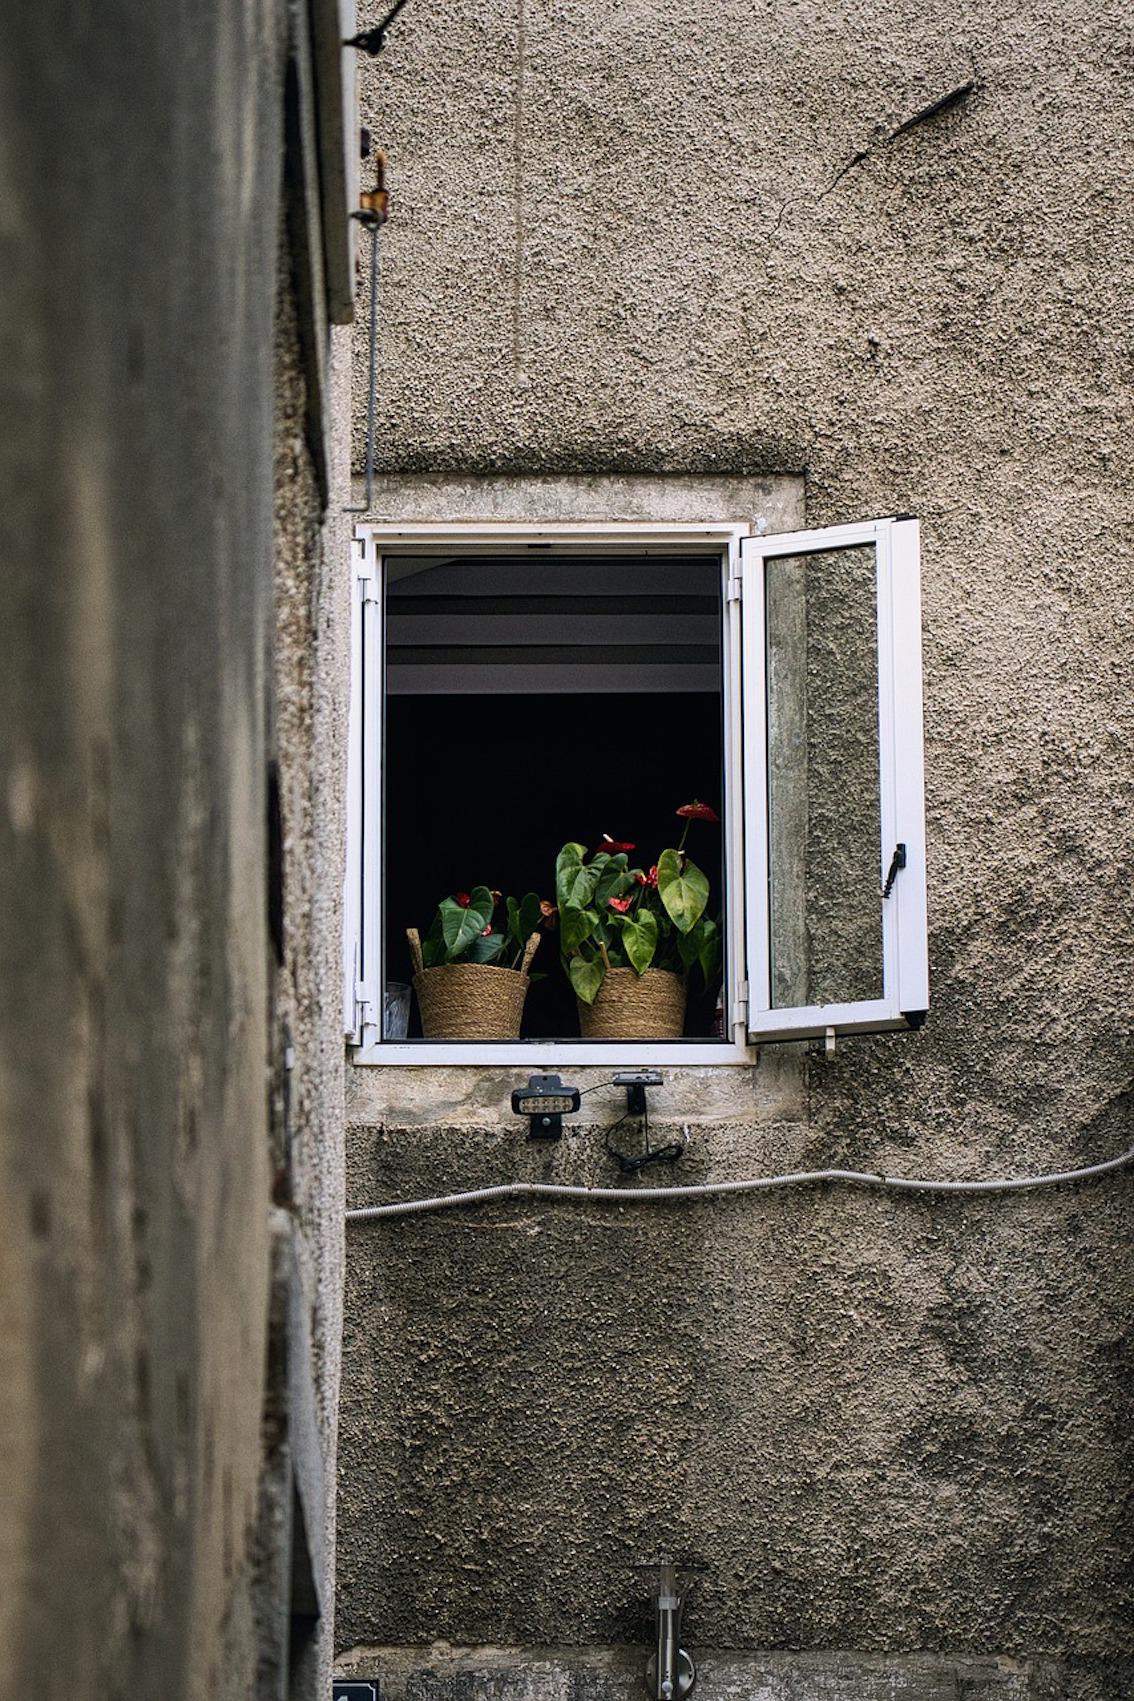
x=631, y=1006
x=473, y=1001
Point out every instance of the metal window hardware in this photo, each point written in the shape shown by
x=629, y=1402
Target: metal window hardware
x=897, y=861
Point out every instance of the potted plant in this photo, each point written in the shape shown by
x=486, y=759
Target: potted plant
x=470, y=974
x=630, y=937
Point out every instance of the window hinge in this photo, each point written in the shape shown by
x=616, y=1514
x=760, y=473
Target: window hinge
x=363, y=1008
x=365, y=587
x=740, y=1003
x=735, y=591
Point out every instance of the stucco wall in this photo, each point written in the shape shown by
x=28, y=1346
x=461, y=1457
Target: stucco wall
x=309, y=645
x=634, y=238
x=145, y=1235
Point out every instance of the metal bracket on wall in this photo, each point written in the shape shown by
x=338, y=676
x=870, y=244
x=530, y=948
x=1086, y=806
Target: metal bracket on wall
x=670, y=1672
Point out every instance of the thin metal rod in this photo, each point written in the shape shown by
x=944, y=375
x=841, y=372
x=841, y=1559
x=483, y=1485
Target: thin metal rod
x=373, y=388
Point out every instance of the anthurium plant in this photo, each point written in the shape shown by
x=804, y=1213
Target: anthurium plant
x=465, y=928
x=612, y=915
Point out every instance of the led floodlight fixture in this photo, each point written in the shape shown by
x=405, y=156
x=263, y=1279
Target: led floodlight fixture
x=545, y=1101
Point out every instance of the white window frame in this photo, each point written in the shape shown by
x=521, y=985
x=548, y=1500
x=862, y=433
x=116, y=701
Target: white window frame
x=741, y=555
x=905, y=968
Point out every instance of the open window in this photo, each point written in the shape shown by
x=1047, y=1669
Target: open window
x=834, y=813
x=515, y=688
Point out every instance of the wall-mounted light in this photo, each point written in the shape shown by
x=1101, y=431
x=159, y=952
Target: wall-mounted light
x=636, y=1081
x=545, y=1101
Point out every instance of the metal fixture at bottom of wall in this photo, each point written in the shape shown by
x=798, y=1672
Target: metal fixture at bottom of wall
x=670, y=1672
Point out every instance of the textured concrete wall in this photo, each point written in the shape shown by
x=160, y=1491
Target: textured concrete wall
x=310, y=661
x=615, y=1674
x=686, y=240
x=141, y=159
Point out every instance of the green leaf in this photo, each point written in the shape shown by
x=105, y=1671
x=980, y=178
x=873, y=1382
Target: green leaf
x=614, y=880
x=513, y=909
x=461, y=926
x=575, y=925
x=530, y=914
x=574, y=884
x=709, y=948
x=687, y=947
x=639, y=938
x=586, y=977
x=484, y=950
x=682, y=888
x=433, y=945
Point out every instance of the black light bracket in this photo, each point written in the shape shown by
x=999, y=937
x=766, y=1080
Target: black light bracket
x=636, y=1081
x=545, y=1101
x=373, y=40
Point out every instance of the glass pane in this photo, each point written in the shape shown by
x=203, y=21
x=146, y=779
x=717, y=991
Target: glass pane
x=823, y=778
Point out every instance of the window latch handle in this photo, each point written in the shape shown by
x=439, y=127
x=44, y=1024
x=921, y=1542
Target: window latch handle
x=898, y=860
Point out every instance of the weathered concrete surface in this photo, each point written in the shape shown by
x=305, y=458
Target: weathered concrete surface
x=445, y=1673
x=694, y=497
x=141, y=159
x=637, y=238
x=310, y=660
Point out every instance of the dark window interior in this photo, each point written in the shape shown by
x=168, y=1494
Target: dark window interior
x=532, y=702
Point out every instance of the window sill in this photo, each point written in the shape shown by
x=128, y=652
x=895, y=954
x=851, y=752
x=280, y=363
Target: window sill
x=536, y=1054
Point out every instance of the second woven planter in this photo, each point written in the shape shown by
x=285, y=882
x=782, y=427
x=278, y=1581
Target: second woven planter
x=470, y=1001
x=632, y=1006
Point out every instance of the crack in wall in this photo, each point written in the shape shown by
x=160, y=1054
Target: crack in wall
x=944, y=103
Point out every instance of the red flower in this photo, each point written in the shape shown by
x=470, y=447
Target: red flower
x=620, y=904
x=485, y=931
x=549, y=915
x=697, y=811
x=650, y=879
x=463, y=899
x=612, y=846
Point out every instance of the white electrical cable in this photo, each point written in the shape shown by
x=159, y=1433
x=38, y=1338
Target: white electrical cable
x=800, y=1178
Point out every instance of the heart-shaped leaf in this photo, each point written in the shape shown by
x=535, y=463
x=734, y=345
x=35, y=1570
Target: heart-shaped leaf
x=575, y=925
x=586, y=977
x=614, y=880
x=460, y=925
x=639, y=939
x=486, y=950
x=682, y=888
x=574, y=884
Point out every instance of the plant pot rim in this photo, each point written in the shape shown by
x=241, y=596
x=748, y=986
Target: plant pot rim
x=625, y=969
x=462, y=968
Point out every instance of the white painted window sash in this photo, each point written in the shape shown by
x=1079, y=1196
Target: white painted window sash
x=901, y=784
x=352, y=880
x=362, y=908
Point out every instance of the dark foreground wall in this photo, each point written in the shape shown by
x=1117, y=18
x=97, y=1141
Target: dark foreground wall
x=149, y=1228
x=672, y=240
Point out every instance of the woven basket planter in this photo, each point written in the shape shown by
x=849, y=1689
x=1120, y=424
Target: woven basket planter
x=470, y=1001
x=631, y=1006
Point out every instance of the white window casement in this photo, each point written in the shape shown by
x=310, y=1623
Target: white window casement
x=795, y=658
